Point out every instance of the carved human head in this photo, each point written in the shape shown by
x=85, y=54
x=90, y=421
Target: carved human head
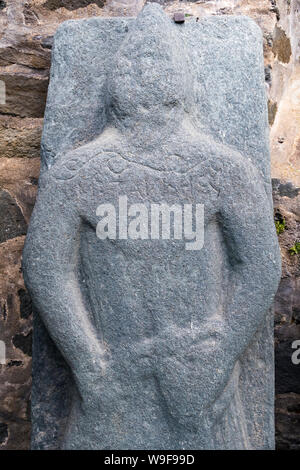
x=151, y=73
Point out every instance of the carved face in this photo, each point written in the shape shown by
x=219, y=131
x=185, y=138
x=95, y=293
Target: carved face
x=150, y=73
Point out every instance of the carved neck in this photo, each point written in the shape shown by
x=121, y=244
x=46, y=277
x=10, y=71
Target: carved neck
x=150, y=129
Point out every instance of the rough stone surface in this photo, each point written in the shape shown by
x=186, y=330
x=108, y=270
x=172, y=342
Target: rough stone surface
x=281, y=46
x=19, y=177
x=71, y=5
x=26, y=39
x=287, y=319
x=144, y=374
x=20, y=138
x=288, y=421
x=15, y=223
x=284, y=136
x=18, y=183
x=15, y=375
x=25, y=91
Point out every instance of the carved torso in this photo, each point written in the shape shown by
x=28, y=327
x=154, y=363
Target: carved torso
x=129, y=286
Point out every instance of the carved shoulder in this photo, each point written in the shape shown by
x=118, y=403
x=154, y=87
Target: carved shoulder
x=70, y=164
x=241, y=176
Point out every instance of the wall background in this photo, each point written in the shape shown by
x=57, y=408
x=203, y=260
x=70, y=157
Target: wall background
x=26, y=31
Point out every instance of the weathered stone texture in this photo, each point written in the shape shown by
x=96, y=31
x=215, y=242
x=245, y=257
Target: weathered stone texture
x=288, y=421
x=18, y=183
x=26, y=91
x=26, y=30
x=287, y=318
x=15, y=376
x=281, y=46
x=20, y=138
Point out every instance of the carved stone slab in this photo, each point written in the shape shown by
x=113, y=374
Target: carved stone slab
x=155, y=345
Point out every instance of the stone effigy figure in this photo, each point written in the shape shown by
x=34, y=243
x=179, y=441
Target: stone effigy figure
x=168, y=346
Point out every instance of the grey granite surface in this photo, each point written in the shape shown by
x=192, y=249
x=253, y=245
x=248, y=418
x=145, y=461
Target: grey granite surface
x=154, y=345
